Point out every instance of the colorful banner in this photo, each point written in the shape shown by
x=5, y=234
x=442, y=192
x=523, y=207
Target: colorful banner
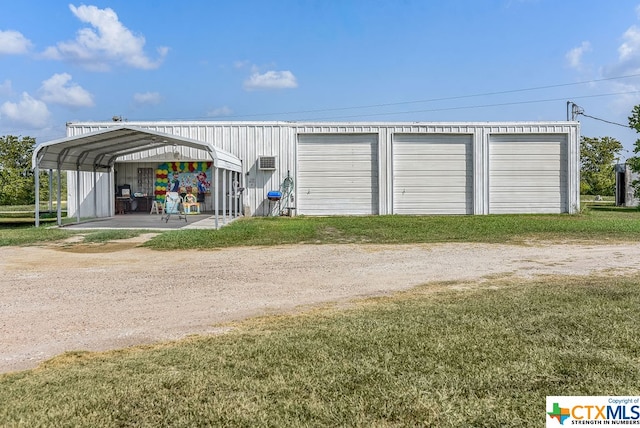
x=182, y=177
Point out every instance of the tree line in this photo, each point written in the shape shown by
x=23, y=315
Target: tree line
x=17, y=179
x=598, y=157
x=597, y=166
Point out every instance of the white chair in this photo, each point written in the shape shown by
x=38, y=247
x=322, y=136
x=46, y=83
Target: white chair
x=157, y=207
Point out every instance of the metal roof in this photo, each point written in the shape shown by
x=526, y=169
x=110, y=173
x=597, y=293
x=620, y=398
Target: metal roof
x=99, y=150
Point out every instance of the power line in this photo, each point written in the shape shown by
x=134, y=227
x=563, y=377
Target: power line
x=577, y=110
x=457, y=97
x=472, y=106
x=603, y=120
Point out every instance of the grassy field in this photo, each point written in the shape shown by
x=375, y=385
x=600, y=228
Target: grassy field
x=439, y=356
x=24, y=215
x=601, y=223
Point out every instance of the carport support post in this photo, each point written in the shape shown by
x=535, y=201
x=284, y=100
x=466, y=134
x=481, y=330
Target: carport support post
x=233, y=194
x=111, y=193
x=224, y=196
x=36, y=171
x=241, y=195
x=216, y=171
x=95, y=192
x=78, y=194
x=236, y=185
x=59, y=214
x=50, y=191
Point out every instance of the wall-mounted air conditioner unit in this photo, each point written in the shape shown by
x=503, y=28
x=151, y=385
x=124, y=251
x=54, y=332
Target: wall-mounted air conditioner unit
x=266, y=163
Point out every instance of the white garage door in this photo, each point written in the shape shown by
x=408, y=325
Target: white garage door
x=337, y=174
x=528, y=174
x=432, y=174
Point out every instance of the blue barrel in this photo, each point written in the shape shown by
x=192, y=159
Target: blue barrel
x=274, y=195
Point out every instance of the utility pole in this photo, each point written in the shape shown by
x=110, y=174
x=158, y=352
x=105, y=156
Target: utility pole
x=573, y=110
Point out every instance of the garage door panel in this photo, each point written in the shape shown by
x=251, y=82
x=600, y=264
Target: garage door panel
x=458, y=183
x=527, y=208
x=533, y=197
x=403, y=177
x=444, y=165
x=438, y=209
x=432, y=198
x=336, y=181
x=432, y=174
x=337, y=174
x=528, y=164
x=528, y=148
x=508, y=158
x=337, y=166
x=336, y=192
x=337, y=206
x=528, y=174
x=534, y=182
x=344, y=157
x=442, y=150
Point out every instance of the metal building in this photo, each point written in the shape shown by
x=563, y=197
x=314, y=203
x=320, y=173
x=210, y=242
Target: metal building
x=330, y=168
x=625, y=191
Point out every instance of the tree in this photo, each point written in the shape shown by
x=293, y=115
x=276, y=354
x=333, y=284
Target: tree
x=16, y=176
x=634, y=161
x=597, y=156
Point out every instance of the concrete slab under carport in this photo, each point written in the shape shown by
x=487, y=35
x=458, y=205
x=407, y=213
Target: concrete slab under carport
x=151, y=222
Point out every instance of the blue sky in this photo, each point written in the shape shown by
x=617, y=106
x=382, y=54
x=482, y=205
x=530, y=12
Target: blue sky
x=325, y=60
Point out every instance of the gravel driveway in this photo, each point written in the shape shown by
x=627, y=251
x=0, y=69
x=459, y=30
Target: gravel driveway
x=56, y=299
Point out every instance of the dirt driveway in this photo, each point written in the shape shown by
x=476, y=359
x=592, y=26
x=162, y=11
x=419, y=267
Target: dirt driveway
x=54, y=299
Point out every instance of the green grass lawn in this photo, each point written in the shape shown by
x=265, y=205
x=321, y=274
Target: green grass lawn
x=24, y=215
x=484, y=355
x=601, y=223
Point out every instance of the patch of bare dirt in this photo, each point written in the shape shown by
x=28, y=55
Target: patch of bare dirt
x=57, y=299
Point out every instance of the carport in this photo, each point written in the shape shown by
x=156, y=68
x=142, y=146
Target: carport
x=97, y=152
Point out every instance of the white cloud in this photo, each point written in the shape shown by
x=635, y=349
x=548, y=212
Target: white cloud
x=13, y=42
x=149, y=98
x=628, y=55
x=5, y=88
x=58, y=90
x=271, y=80
x=28, y=111
x=629, y=48
x=574, y=56
x=220, y=111
x=107, y=43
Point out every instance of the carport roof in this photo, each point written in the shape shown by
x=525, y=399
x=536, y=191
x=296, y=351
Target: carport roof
x=99, y=150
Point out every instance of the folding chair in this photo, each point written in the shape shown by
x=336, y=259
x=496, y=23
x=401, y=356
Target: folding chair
x=157, y=206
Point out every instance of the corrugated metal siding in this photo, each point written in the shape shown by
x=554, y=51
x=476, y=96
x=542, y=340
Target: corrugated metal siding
x=528, y=174
x=337, y=175
x=432, y=174
x=94, y=201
